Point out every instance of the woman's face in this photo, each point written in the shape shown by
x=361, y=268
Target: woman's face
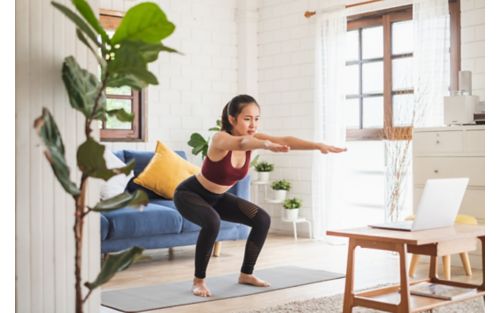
x=247, y=121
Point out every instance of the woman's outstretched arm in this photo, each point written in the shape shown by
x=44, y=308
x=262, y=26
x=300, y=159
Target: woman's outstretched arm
x=299, y=144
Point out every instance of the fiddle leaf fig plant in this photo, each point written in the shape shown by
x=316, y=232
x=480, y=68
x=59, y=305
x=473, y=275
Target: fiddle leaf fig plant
x=199, y=143
x=123, y=61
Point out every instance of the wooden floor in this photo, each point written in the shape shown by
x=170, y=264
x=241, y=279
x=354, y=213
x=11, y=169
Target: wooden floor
x=372, y=268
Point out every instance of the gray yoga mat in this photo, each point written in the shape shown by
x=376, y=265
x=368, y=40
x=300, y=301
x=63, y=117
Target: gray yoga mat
x=222, y=287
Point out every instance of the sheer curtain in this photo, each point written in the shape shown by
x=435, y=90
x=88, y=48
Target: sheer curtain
x=329, y=121
x=431, y=24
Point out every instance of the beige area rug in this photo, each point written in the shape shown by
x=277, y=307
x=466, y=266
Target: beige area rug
x=333, y=304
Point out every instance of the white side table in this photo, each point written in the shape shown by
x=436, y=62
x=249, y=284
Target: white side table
x=266, y=199
x=297, y=221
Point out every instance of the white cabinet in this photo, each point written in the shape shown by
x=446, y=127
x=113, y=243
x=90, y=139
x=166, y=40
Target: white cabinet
x=446, y=152
x=456, y=151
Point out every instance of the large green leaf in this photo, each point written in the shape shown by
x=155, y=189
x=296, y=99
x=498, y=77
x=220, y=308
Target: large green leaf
x=115, y=263
x=90, y=157
x=86, y=11
x=81, y=24
x=121, y=115
x=47, y=129
x=145, y=22
x=122, y=200
x=129, y=68
x=82, y=87
x=149, y=51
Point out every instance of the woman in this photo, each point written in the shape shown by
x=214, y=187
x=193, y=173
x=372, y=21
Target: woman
x=203, y=198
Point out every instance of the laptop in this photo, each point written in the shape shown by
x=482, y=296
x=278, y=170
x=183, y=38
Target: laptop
x=438, y=206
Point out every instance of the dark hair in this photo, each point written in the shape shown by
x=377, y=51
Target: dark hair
x=234, y=108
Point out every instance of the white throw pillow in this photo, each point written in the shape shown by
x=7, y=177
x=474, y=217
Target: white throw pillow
x=116, y=184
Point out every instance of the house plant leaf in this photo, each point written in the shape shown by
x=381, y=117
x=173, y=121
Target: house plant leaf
x=79, y=22
x=121, y=115
x=145, y=22
x=86, y=11
x=122, y=200
x=82, y=87
x=47, y=130
x=90, y=158
x=115, y=263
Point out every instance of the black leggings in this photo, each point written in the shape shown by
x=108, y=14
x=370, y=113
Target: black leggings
x=206, y=209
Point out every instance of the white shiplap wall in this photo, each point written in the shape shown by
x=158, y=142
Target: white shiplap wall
x=193, y=89
x=44, y=212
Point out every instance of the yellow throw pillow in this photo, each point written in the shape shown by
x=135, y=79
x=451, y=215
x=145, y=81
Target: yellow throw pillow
x=165, y=172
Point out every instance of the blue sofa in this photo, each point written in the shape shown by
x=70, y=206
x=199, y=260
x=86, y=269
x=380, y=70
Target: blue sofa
x=159, y=225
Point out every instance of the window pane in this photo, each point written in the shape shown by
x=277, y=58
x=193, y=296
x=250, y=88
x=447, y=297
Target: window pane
x=402, y=110
x=402, y=73
x=402, y=37
x=373, y=42
x=352, y=80
x=373, y=112
x=124, y=90
x=373, y=77
x=352, y=113
x=352, y=46
x=112, y=122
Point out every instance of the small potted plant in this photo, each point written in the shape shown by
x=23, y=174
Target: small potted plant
x=291, y=207
x=280, y=188
x=263, y=169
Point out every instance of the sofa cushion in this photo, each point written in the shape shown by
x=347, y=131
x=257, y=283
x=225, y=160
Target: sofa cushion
x=141, y=158
x=116, y=184
x=153, y=220
x=165, y=171
x=104, y=227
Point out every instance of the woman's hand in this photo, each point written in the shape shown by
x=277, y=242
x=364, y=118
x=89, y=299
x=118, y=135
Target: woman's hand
x=330, y=149
x=276, y=147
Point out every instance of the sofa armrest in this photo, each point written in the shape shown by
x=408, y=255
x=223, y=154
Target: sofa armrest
x=242, y=188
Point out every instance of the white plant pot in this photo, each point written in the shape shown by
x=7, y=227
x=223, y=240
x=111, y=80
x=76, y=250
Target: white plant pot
x=291, y=214
x=263, y=176
x=279, y=195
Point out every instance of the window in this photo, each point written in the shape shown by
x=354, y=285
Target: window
x=132, y=101
x=379, y=69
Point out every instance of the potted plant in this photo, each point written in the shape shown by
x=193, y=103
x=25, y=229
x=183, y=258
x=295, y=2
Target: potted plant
x=263, y=169
x=280, y=188
x=291, y=207
x=199, y=143
x=123, y=61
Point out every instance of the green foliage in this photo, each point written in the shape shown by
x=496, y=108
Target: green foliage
x=293, y=203
x=199, y=143
x=281, y=184
x=83, y=89
x=264, y=166
x=113, y=264
x=123, y=61
x=90, y=158
x=122, y=200
x=49, y=133
x=144, y=22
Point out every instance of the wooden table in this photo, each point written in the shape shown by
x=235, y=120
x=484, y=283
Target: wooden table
x=433, y=242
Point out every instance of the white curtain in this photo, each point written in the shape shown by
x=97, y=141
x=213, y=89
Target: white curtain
x=329, y=121
x=431, y=24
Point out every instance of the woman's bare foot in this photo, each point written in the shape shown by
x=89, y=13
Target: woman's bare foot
x=200, y=289
x=249, y=279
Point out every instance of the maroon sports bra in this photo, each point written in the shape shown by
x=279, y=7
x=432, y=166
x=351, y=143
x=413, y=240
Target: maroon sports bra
x=222, y=172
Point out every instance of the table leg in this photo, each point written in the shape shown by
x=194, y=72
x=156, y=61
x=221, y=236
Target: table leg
x=482, y=238
x=349, y=278
x=294, y=230
x=433, y=267
x=310, y=229
x=404, y=305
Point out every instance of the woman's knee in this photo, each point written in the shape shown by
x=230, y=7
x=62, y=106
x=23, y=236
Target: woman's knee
x=211, y=223
x=262, y=219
